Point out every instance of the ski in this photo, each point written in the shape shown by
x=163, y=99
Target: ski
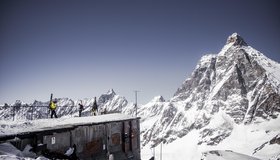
x=49, y=105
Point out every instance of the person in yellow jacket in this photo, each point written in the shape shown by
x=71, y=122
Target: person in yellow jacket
x=52, y=108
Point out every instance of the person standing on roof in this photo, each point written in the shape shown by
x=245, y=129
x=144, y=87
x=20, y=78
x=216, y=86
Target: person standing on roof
x=94, y=107
x=81, y=108
x=53, y=108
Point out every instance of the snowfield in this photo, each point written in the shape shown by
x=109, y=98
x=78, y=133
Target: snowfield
x=243, y=140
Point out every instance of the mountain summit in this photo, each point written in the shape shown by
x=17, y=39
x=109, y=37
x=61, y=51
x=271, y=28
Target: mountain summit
x=239, y=80
x=236, y=39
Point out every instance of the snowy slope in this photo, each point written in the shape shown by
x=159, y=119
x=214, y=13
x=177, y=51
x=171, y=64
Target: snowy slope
x=9, y=152
x=244, y=139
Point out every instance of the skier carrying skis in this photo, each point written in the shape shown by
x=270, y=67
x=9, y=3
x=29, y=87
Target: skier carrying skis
x=81, y=108
x=94, y=107
x=52, y=108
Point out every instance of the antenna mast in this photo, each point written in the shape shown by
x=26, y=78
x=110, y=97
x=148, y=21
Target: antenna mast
x=136, y=101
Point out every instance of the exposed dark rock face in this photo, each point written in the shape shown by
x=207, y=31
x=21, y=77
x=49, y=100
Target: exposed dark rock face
x=273, y=141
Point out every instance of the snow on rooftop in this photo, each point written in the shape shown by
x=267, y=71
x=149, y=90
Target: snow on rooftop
x=17, y=127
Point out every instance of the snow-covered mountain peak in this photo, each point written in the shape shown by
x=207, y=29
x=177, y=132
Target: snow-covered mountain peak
x=107, y=96
x=237, y=86
x=158, y=99
x=236, y=40
x=18, y=103
x=111, y=92
x=233, y=44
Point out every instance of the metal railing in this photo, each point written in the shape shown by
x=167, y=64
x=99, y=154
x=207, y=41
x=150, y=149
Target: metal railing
x=31, y=112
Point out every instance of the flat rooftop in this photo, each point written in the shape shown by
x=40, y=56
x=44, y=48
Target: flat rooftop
x=9, y=129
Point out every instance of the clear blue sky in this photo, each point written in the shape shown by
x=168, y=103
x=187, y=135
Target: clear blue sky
x=81, y=49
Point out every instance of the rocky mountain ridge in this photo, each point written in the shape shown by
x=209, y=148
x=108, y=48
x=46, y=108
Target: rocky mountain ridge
x=108, y=102
x=239, y=85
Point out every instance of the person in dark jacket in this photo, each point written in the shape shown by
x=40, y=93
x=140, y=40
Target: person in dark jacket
x=81, y=108
x=94, y=107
